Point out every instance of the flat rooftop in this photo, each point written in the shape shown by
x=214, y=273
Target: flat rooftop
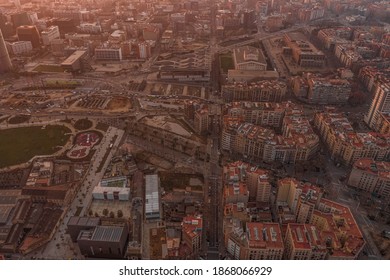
x=73, y=58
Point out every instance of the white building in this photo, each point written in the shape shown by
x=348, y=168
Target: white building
x=114, y=188
x=50, y=34
x=19, y=47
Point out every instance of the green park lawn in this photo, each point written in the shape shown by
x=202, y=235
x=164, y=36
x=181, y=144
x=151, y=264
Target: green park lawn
x=18, y=145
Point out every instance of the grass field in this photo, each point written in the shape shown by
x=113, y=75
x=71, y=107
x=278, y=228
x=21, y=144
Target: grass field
x=18, y=145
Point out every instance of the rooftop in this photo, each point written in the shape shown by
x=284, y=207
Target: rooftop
x=192, y=226
x=341, y=222
x=343, y=130
x=84, y=221
x=73, y=57
x=264, y=235
x=299, y=237
x=379, y=168
x=249, y=54
x=152, y=197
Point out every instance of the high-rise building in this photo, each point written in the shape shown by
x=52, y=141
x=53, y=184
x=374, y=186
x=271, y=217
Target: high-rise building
x=379, y=104
x=5, y=61
x=29, y=33
x=19, y=19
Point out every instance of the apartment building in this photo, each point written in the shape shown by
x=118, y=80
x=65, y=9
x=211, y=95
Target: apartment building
x=300, y=199
x=262, y=91
x=260, y=241
x=328, y=91
x=303, y=52
x=254, y=181
x=268, y=114
x=380, y=104
x=340, y=230
x=192, y=227
x=298, y=141
x=202, y=120
x=304, y=242
x=345, y=145
x=371, y=177
x=383, y=123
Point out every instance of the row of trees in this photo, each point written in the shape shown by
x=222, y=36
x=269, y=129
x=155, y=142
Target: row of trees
x=111, y=214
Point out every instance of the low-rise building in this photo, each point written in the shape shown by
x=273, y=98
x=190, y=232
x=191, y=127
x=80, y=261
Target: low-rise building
x=249, y=58
x=75, y=61
x=104, y=241
x=114, y=188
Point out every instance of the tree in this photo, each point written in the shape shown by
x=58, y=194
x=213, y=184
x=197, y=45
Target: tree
x=105, y=212
x=119, y=214
x=90, y=213
x=112, y=215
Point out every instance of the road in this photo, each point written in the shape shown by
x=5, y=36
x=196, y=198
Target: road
x=214, y=206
